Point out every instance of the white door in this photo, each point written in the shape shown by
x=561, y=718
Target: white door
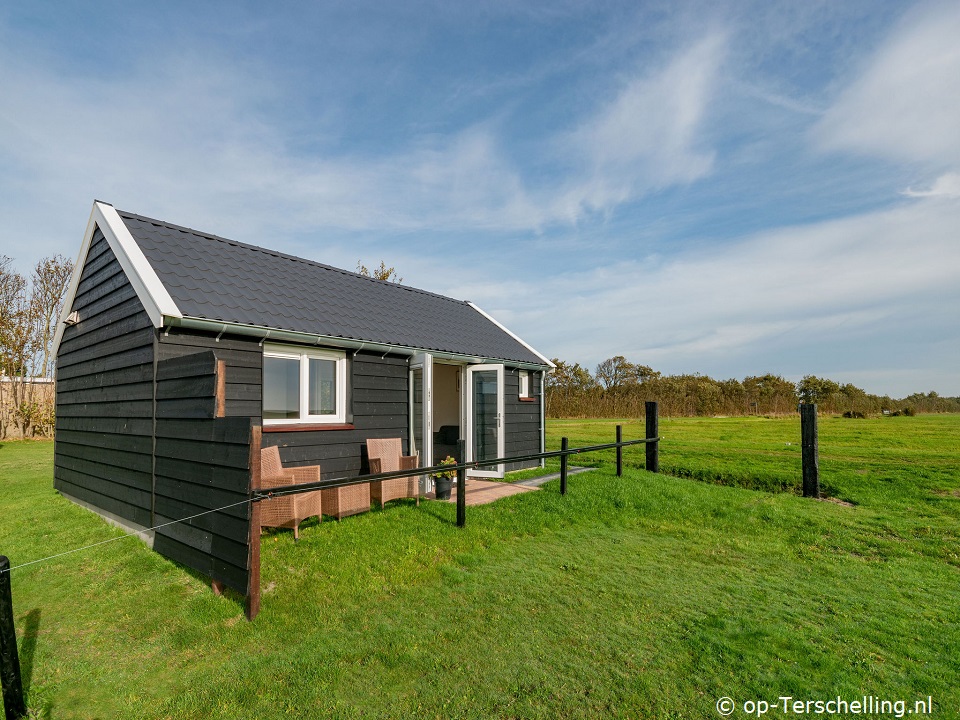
x=485, y=417
x=421, y=408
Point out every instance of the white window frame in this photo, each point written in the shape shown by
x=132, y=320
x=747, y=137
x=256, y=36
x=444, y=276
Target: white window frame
x=292, y=352
x=524, y=383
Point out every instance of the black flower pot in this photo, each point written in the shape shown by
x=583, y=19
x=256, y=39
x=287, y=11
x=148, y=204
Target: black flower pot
x=442, y=486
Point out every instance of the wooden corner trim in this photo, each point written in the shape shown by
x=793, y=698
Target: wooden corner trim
x=221, y=389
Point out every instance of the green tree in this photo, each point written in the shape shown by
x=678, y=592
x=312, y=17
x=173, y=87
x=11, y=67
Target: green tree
x=380, y=273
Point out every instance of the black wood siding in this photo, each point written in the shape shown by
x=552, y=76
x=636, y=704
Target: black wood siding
x=521, y=419
x=112, y=452
x=202, y=463
x=379, y=402
x=243, y=357
x=104, y=427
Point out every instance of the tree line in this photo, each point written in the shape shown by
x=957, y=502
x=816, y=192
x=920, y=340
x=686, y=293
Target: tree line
x=619, y=388
x=29, y=310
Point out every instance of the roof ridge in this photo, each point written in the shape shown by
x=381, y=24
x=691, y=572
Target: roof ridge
x=283, y=255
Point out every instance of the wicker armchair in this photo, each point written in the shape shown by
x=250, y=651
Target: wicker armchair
x=288, y=510
x=386, y=455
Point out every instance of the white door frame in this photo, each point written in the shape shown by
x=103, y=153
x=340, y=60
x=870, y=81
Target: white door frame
x=497, y=470
x=424, y=362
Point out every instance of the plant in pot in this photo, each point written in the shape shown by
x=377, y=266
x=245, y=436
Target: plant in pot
x=443, y=481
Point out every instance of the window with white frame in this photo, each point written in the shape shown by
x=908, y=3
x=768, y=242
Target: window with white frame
x=524, y=383
x=303, y=385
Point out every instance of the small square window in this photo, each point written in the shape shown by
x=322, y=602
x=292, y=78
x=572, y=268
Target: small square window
x=524, y=384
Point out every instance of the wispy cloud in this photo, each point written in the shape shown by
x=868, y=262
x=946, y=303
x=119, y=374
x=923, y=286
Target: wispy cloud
x=194, y=139
x=945, y=186
x=815, y=291
x=648, y=137
x=905, y=104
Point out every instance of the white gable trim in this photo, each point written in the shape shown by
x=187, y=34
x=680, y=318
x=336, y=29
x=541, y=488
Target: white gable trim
x=153, y=295
x=492, y=319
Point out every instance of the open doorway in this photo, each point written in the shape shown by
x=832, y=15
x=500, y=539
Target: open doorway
x=450, y=401
x=447, y=410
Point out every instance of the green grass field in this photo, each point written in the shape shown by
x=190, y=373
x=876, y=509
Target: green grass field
x=647, y=596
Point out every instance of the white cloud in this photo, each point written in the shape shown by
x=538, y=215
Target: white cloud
x=194, y=140
x=648, y=137
x=817, y=292
x=945, y=186
x=905, y=105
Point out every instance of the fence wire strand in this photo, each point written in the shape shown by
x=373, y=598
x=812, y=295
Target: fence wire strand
x=266, y=494
x=127, y=536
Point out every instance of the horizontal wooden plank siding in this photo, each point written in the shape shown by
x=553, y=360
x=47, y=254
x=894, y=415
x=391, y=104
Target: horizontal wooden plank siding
x=202, y=463
x=379, y=404
x=144, y=443
x=243, y=360
x=103, y=450
x=521, y=421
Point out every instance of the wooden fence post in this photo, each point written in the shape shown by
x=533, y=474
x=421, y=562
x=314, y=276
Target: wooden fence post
x=619, y=451
x=653, y=431
x=253, y=579
x=461, y=485
x=810, y=450
x=13, y=703
x=563, y=466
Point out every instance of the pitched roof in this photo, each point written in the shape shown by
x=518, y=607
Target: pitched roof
x=212, y=278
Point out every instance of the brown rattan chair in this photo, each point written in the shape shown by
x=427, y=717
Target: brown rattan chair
x=287, y=511
x=386, y=455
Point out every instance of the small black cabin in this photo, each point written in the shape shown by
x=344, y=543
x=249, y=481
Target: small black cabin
x=176, y=347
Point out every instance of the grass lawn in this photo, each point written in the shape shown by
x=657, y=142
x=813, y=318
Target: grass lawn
x=647, y=596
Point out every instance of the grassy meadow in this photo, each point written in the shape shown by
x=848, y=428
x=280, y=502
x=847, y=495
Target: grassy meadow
x=647, y=596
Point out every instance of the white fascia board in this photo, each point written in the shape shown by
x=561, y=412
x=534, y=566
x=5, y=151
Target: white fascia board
x=74, y=282
x=546, y=360
x=154, y=297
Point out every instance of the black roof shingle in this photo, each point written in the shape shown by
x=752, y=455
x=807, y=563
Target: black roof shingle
x=214, y=278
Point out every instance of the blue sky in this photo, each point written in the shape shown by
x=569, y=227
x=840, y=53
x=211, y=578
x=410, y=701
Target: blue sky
x=723, y=188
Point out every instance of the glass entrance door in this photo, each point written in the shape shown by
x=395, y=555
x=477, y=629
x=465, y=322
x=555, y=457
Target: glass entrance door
x=421, y=411
x=485, y=417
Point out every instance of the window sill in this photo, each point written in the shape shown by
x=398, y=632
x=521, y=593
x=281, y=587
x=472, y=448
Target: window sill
x=305, y=427
x=527, y=399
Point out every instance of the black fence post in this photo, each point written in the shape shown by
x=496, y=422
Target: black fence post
x=810, y=450
x=619, y=451
x=563, y=466
x=653, y=432
x=461, y=485
x=13, y=704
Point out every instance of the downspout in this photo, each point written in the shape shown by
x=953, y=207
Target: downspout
x=543, y=414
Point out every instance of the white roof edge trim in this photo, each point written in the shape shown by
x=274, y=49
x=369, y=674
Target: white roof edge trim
x=74, y=282
x=516, y=337
x=154, y=297
x=292, y=336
